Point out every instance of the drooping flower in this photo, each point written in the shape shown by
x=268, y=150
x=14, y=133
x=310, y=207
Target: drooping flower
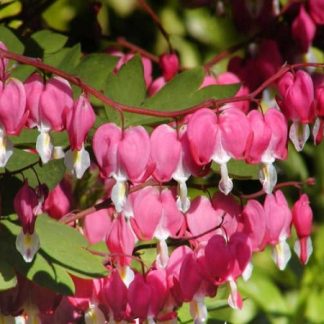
x=302, y=217
x=26, y=203
x=79, y=120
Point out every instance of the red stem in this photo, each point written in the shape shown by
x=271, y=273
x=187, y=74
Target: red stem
x=211, y=103
x=123, y=42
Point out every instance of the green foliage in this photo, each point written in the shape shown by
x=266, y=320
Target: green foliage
x=8, y=277
x=94, y=70
x=48, y=41
x=11, y=40
x=57, y=258
x=239, y=170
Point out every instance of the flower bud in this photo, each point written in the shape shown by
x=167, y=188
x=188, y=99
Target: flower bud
x=303, y=30
x=302, y=220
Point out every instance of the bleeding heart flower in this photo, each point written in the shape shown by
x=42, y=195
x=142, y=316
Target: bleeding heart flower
x=25, y=204
x=79, y=120
x=302, y=217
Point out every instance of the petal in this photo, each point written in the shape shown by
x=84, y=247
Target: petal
x=6, y=149
x=303, y=248
x=77, y=162
x=166, y=150
x=198, y=310
x=118, y=195
x=162, y=256
x=134, y=152
x=281, y=254
x=183, y=202
x=234, y=299
x=268, y=177
x=27, y=245
x=94, y=315
x=225, y=184
x=299, y=134
x=202, y=128
x=44, y=146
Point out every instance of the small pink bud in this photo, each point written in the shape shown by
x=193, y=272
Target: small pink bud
x=59, y=201
x=25, y=202
x=170, y=65
x=302, y=220
x=79, y=121
x=303, y=30
x=302, y=216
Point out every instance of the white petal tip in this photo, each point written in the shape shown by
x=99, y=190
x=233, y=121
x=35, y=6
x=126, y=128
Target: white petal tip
x=27, y=245
x=77, y=162
x=126, y=274
x=304, y=249
x=44, y=146
x=281, y=254
x=299, y=134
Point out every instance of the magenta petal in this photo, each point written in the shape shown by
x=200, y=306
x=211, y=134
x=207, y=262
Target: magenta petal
x=202, y=128
x=79, y=121
x=202, y=217
x=147, y=209
x=139, y=296
x=219, y=260
x=134, y=152
x=235, y=132
x=105, y=146
x=13, y=112
x=97, y=225
x=34, y=87
x=166, y=150
x=55, y=102
x=260, y=139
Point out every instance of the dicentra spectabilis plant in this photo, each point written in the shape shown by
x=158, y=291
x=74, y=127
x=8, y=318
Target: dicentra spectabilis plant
x=132, y=185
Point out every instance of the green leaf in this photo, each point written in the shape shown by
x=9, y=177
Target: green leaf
x=94, y=70
x=66, y=59
x=62, y=252
x=294, y=166
x=60, y=139
x=49, y=41
x=264, y=292
x=214, y=92
x=19, y=160
x=177, y=94
x=180, y=93
x=42, y=270
x=11, y=40
x=314, y=307
x=71, y=254
x=8, y=277
x=22, y=72
x=128, y=86
x=26, y=137
x=240, y=170
x=50, y=174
